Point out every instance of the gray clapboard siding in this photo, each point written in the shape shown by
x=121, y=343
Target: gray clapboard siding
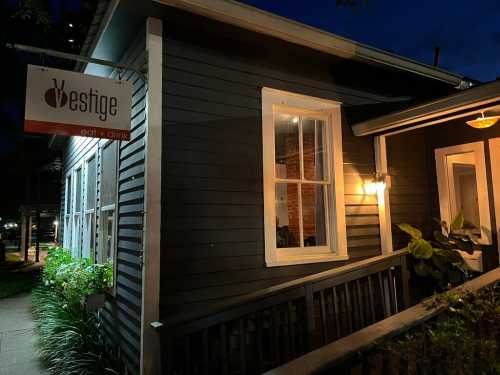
x=212, y=244
x=122, y=312
x=409, y=194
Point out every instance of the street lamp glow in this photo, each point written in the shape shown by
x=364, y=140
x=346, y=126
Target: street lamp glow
x=56, y=223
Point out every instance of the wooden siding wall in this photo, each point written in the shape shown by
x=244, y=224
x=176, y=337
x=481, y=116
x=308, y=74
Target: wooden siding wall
x=410, y=197
x=212, y=235
x=122, y=313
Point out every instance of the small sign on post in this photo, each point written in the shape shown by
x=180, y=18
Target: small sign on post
x=70, y=103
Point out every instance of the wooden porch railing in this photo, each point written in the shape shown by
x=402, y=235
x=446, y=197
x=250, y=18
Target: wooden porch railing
x=265, y=329
x=352, y=355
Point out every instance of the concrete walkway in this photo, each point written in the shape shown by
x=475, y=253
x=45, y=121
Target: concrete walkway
x=18, y=353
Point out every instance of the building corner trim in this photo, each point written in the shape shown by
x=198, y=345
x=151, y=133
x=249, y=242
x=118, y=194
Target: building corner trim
x=150, y=346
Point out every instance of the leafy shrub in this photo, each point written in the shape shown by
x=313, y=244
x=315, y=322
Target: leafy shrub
x=75, y=278
x=438, y=257
x=464, y=340
x=56, y=257
x=71, y=341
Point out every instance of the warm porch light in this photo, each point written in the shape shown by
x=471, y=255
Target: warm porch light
x=483, y=122
x=375, y=185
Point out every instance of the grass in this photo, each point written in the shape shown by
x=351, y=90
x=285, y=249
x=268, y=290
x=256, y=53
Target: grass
x=15, y=280
x=12, y=283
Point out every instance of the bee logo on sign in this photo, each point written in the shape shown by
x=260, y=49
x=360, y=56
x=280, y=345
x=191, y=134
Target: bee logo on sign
x=70, y=103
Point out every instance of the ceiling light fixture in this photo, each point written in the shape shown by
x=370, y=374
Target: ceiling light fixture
x=483, y=122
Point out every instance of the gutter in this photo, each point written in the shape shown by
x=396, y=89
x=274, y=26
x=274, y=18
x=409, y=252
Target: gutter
x=248, y=17
x=462, y=104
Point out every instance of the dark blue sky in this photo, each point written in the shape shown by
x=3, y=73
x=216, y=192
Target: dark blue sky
x=468, y=32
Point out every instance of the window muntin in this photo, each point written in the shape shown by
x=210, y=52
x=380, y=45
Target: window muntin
x=301, y=180
x=68, y=195
x=89, y=210
x=108, y=237
x=68, y=211
x=107, y=215
x=78, y=190
x=304, y=212
x=76, y=243
x=108, y=179
x=90, y=183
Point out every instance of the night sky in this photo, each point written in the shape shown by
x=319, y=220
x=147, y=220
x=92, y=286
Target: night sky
x=46, y=24
x=468, y=32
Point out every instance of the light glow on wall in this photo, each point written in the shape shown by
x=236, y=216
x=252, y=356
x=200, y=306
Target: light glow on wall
x=375, y=185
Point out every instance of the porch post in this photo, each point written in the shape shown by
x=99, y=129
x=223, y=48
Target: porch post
x=22, y=244
x=27, y=242
x=37, y=253
x=384, y=205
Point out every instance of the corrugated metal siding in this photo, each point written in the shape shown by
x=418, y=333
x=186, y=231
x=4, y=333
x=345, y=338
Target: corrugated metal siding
x=122, y=313
x=213, y=245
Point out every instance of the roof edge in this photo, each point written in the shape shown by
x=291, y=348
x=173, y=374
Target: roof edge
x=258, y=20
x=102, y=17
x=468, y=99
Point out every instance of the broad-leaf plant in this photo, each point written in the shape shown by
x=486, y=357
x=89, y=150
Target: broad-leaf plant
x=438, y=258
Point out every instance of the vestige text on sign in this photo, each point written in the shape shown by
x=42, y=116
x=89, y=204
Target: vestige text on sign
x=70, y=103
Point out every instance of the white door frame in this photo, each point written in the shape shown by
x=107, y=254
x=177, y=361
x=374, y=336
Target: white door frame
x=482, y=189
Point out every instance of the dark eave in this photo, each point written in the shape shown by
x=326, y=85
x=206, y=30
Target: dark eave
x=464, y=103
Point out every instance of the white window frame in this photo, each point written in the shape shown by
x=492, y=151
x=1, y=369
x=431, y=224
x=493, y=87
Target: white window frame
x=89, y=214
x=68, y=213
x=76, y=227
x=100, y=256
x=277, y=101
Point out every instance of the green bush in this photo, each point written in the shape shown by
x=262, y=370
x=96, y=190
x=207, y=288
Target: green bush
x=70, y=337
x=464, y=340
x=75, y=278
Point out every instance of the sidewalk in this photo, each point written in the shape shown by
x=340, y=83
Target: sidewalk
x=18, y=355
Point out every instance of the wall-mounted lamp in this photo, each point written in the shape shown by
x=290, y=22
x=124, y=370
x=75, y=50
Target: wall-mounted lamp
x=377, y=184
x=483, y=122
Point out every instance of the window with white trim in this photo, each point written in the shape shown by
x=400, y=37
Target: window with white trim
x=77, y=213
x=304, y=213
x=68, y=196
x=107, y=213
x=88, y=242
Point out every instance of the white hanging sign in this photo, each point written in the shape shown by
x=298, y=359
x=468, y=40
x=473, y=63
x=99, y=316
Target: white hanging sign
x=70, y=103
